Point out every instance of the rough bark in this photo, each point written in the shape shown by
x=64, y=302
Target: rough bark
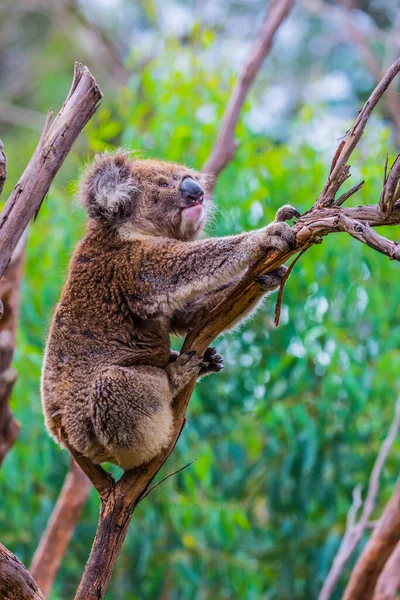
x=119, y=499
x=225, y=145
x=56, y=537
x=380, y=546
x=16, y=583
x=55, y=143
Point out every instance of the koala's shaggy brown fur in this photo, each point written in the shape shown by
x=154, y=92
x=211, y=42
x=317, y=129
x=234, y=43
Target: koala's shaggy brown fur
x=140, y=272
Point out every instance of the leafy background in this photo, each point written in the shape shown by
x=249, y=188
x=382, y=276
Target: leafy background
x=295, y=421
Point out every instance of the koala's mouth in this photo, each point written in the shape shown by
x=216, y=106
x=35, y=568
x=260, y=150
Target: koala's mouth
x=193, y=213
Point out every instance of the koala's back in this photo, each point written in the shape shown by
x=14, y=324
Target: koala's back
x=93, y=327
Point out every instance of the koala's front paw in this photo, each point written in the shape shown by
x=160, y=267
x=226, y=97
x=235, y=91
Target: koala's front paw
x=286, y=213
x=272, y=280
x=279, y=236
x=212, y=362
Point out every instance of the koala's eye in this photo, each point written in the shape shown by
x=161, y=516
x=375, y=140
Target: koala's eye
x=163, y=184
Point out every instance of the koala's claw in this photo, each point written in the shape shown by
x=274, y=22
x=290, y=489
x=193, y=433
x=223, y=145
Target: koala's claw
x=212, y=362
x=286, y=212
x=272, y=280
x=173, y=356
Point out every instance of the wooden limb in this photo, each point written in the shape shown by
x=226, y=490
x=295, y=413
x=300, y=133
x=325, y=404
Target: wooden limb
x=380, y=546
x=9, y=297
x=388, y=584
x=56, y=141
x=16, y=583
x=225, y=146
x=355, y=529
x=121, y=499
x=56, y=537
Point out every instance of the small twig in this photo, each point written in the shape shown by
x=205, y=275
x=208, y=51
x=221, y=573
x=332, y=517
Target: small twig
x=3, y=167
x=391, y=188
x=342, y=199
x=167, y=477
x=278, y=305
x=385, y=169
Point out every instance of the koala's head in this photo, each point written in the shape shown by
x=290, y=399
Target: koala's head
x=147, y=197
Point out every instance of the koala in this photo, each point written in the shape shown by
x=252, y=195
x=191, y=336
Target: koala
x=141, y=272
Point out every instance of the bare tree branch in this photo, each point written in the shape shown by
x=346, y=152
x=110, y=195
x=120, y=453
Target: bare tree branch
x=389, y=580
x=225, y=146
x=123, y=497
x=355, y=529
x=380, y=546
x=57, y=139
x=16, y=583
x=56, y=537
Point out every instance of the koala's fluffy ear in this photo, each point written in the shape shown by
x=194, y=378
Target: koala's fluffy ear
x=108, y=189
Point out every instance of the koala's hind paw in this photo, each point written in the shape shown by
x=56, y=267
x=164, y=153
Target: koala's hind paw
x=212, y=362
x=280, y=237
x=181, y=371
x=285, y=213
x=272, y=280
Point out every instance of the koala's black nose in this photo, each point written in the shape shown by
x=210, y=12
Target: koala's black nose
x=192, y=191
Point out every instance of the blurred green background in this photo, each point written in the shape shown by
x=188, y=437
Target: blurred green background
x=296, y=419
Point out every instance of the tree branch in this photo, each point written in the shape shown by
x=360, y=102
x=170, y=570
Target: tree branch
x=16, y=583
x=355, y=530
x=56, y=141
x=225, y=146
x=56, y=537
x=118, y=505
